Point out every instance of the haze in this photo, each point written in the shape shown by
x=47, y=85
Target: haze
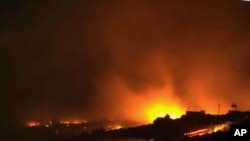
x=128, y=60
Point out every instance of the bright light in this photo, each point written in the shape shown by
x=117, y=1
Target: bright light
x=199, y=132
x=115, y=127
x=32, y=123
x=154, y=103
x=156, y=111
x=118, y=126
x=76, y=122
x=65, y=122
x=221, y=127
x=161, y=110
x=209, y=130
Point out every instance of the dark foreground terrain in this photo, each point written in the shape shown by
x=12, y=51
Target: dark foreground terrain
x=193, y=126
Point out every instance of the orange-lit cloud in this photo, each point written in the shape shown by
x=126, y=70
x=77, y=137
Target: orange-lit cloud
x=132, y=60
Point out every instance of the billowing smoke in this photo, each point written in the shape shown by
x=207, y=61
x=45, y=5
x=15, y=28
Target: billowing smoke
x=115, y=59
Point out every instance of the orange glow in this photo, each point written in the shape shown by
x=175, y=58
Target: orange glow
x=162, y=105
x=114, y=127
x=209, y=130
x=64, y=122
x=118, y=126
x=161, y=110
x=32, y=123
x=199, y=132
x=73, y=121
x=76, y=122
x=141, y=107
x=221, y=127
x=156, y=103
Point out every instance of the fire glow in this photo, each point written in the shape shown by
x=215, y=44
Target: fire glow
x=162, y=105
x=161, y=110
x=33, y=123
x=153, y=106
x=209, y=130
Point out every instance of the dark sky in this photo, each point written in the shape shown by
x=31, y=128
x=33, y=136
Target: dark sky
x=114, y=59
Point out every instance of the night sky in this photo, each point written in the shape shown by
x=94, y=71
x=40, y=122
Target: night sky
x=120, y=59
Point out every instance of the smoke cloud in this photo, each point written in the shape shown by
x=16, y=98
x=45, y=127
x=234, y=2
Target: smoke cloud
x=114, y=59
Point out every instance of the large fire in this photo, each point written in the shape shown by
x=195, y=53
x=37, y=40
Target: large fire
x=156, y=104
x=161, y=110
x=161, y=105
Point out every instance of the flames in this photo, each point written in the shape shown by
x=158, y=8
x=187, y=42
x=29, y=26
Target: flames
x=209, y=130
x=160, y=109
x=221, y=127
x=154, y=104
x=49, y=123
x=199, y=132
x=161, y=105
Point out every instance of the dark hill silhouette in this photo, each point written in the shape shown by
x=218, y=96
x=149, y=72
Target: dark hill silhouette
x=168, y=129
